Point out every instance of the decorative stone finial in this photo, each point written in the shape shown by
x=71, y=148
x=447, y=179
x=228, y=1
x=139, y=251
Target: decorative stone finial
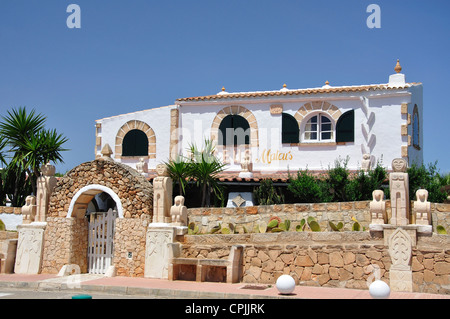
x=398, y=67
x=327, y=83
x=284, y=85
x=223, y=89
x=106, y=153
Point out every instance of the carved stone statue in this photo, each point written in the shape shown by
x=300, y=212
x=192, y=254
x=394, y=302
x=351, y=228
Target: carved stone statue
x=246, y=163
x=365, y=164
x=378, y=207
x=45, y=185
x=399, y=188
x=162, y=195
x=29, y=210
x=142, y=166
x=178, y=212
x=422, y=207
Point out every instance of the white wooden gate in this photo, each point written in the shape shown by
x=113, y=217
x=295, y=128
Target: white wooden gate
x=101, y=238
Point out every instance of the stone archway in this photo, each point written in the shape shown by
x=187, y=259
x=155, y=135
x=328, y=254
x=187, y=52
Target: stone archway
x=67, y=228
x=323, y=106
x=135, y=125
x=235, y=110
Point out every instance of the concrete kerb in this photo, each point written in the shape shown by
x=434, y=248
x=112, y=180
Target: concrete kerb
x=124, y=290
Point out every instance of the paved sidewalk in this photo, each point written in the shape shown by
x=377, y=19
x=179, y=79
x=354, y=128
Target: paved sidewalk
x=187, y=289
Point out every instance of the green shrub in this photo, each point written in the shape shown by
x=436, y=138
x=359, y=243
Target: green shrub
x=429, y=179
x=306, y=188
x=363, y=184
x=266, y=194
x=337, y=181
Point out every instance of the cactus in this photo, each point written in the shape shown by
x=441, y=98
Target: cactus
x=226, y=230
x=287, y=223
x=356, y=226
x=232, y=228
x=273, y=223
x=282, y=226
x=337, y=227
x=262, y=227
x=276, y=230
x=301, y=226
x=192, y=229
x=2, y=225
x=314, y=225
x=275, y=218
x=441, y=230
x=215, y=229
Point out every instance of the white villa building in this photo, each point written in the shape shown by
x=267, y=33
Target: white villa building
x=281, y=131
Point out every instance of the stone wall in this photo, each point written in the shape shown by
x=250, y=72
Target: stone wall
x=129, y=246
x=344, y=259
x=65, y=243
x=207, y=218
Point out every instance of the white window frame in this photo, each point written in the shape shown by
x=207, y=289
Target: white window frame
x=319, y=129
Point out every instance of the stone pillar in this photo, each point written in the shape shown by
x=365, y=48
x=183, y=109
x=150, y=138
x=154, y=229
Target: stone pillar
x=45, y=185
x=162, y=195
x=157, y=251
x=399, y=188
x=29, y=248
x=174, y=125
x=400, y=249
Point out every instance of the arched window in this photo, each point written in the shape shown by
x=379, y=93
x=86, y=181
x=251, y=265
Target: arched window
x=289, y=129
x=135, y=143
x=318, y=128
x=415, y=135
x=345, y=127
x=234, y=130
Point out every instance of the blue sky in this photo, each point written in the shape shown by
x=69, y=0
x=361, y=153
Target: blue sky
x=138, y=54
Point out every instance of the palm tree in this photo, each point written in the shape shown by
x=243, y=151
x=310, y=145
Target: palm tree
x=205, y=168
x=30, y=143
x=180, y=172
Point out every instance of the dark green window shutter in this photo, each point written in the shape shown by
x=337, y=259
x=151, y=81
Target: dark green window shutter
x=289, y=129
x=135, y=143
x=235, y=130
x=345, y=127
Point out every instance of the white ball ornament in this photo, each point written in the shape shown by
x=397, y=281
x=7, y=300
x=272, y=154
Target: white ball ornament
x=379, y=290
x=285, y=284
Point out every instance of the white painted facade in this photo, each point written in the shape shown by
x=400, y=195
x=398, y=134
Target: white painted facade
x=383, y=126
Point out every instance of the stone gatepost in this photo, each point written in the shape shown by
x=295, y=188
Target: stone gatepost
x=30, y=241
x=161, y=232
x=29, y=248
x=399, y=234
x=45, y=185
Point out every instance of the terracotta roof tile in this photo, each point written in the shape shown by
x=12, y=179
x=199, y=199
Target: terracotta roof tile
x=338, y=89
